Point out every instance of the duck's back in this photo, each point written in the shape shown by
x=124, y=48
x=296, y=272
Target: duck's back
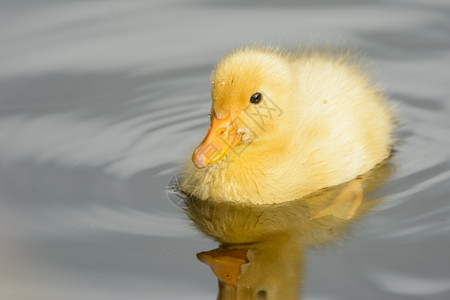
x=345, y=124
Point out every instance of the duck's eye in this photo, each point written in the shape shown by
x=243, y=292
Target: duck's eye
x=256, y=98
x=262, y=294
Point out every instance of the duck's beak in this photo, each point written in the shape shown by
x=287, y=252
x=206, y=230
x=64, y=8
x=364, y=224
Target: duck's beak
x=221, y=137
x=225, y=263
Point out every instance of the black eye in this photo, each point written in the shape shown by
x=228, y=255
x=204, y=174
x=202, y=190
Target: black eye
x=256, y=98
x=262, y=294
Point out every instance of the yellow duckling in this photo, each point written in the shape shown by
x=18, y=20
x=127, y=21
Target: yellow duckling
x=285, y=125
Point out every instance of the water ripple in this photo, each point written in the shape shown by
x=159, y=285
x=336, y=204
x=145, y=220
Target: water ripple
x=403, y=284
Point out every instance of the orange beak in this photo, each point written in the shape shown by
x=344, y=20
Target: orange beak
x=225, y=263
x=221, y=137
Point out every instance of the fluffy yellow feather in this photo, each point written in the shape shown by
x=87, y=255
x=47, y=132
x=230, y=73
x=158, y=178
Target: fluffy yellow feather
x=284, y=126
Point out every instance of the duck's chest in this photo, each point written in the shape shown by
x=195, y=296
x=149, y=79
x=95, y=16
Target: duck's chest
x=255, y=183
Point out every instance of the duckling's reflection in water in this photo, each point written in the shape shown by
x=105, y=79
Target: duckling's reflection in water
x=262, y=247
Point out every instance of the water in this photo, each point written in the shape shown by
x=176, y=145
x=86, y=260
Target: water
x=101, y=101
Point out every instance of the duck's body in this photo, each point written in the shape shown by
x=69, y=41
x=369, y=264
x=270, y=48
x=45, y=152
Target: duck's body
x=284, y=126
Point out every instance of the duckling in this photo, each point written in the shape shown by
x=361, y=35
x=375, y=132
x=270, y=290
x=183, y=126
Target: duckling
x=285, y=125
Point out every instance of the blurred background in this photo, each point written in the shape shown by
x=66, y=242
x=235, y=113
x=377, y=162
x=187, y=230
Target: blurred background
x=101, y=101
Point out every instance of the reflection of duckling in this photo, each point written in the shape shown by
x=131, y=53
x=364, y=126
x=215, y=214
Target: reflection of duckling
x=284, y=126
x=271, y=270
x=262, y=246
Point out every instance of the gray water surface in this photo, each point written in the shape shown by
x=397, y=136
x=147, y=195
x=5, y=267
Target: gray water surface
x=101, y=101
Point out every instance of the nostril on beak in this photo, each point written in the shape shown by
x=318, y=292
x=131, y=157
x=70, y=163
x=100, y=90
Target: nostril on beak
x=221, y=131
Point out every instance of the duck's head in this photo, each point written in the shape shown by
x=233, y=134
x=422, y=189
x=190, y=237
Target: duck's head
x=251, y=95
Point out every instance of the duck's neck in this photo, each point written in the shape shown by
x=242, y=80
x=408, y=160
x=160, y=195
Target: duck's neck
x=252, y=173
